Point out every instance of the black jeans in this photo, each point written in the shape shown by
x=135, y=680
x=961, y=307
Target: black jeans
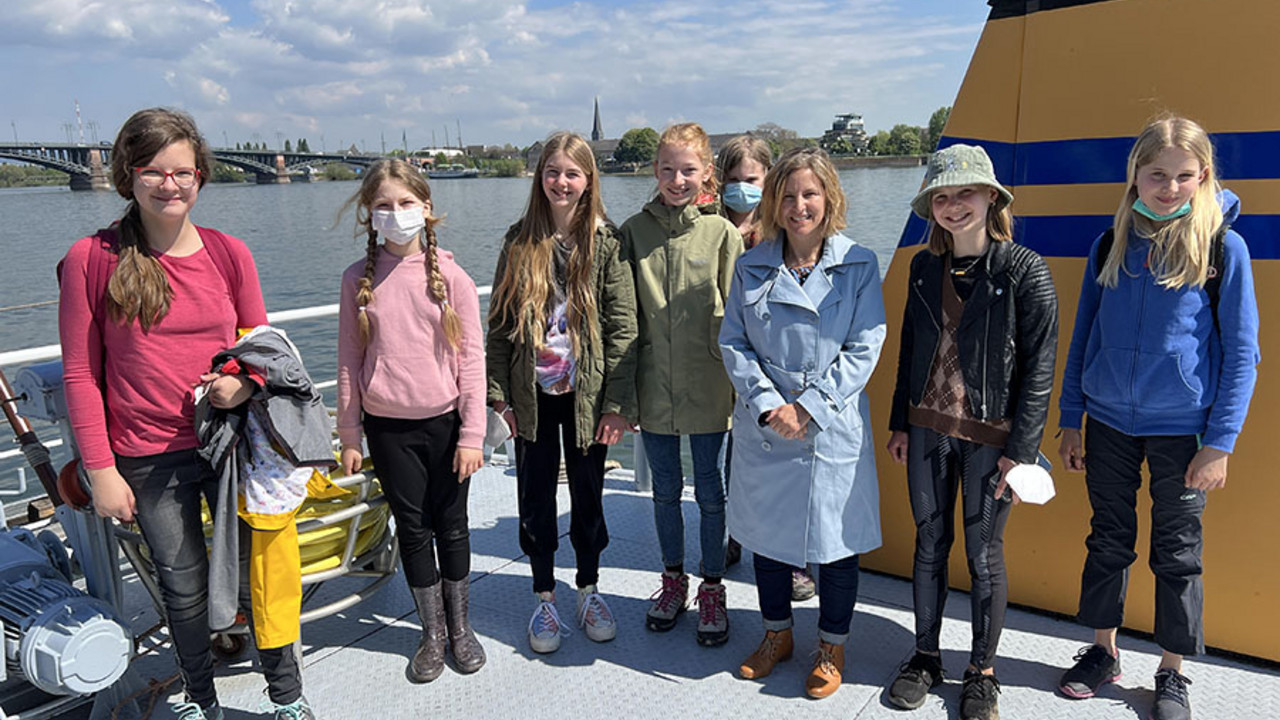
x=837, y=594
x=167, y=490
x=1113, y=474
x=938, y=465
x=414, y=460
x=538, y=471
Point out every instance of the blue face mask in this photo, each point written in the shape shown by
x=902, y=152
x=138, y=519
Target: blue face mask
x=742, y=197
x=1146, y=212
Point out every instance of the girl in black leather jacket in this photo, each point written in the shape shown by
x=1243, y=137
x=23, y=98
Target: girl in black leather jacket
x=975, y=371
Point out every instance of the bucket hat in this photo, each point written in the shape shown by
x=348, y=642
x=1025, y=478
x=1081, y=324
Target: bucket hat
x=959, y=165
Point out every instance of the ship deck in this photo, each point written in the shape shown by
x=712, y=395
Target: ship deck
x=354, y=661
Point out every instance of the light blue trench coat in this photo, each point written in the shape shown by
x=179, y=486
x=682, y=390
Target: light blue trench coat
x=813, y=500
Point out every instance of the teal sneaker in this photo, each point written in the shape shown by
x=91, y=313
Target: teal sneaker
x=299, y=709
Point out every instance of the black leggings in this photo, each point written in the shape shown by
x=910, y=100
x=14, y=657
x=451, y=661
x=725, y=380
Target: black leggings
x=537, y=473
x=936, y=465
x=167, y=490
x=414, y=460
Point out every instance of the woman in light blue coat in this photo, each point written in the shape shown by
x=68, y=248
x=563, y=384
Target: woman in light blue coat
x=802, y=332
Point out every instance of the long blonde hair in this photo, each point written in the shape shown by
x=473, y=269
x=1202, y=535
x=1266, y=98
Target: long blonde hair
x=692, y=136
x=523, y=294
x=1179, y=248
x=405, y=174
x=138, y=287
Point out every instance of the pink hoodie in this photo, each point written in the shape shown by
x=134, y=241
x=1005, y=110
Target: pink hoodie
x=409, y=370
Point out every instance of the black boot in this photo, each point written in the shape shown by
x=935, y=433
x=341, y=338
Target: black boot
x=467, y=652
x=428, y=661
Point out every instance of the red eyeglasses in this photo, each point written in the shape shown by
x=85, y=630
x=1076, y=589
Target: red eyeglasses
x=154, y=177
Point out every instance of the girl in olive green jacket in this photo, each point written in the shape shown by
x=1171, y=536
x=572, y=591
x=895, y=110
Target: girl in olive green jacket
x=561, y=364
x=682, y=254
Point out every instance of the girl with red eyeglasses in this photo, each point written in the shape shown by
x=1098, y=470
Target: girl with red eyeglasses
x=145, y=304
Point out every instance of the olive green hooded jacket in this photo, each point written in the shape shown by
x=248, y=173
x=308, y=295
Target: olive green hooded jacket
x=682, y=259
x=604, y=381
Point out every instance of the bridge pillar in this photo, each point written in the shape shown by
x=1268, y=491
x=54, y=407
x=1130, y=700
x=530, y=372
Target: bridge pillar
x=282, y=175
x=96, y=179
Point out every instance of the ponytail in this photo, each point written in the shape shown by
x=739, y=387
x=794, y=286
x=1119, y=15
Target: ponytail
x=138, y=288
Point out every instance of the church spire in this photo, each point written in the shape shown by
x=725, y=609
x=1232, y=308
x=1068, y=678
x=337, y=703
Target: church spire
x=597, y=131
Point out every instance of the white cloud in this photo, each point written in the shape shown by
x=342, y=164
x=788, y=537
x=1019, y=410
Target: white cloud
x=150, y=28
x=213, y=93
x=509, y=72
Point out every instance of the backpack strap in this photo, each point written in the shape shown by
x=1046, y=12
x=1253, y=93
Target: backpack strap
x=1104, y=248
x=1212, y=284
x=220, y=253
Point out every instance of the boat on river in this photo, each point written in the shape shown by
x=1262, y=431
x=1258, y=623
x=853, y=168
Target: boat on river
x=453, y=171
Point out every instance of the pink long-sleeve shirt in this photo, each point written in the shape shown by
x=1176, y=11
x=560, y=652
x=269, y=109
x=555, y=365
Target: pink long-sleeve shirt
x=129, y=392
x=409, y=370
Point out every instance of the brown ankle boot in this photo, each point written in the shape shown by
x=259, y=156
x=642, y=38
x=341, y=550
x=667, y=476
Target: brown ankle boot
x=467, y=653
x=825, y=679
x=428, y=661
x=774, y=648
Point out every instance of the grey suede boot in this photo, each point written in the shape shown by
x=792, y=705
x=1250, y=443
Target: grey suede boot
x=428, y=661
x=467, y=652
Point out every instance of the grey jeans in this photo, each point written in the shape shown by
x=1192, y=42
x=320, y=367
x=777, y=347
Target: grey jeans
x=167, y=490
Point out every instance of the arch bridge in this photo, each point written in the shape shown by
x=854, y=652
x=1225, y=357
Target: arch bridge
x=88, y=165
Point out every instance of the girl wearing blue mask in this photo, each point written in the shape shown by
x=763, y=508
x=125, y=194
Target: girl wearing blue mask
x=741, y=167
x=1163, y=361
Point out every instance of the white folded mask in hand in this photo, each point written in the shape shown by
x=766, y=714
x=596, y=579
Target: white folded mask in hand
x=496, y=431
x=1032, y=482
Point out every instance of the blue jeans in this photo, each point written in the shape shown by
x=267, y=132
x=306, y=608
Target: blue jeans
x=663, y=452
x=837, y=594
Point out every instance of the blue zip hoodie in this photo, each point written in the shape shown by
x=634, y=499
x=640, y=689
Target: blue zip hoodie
x=1146, y=360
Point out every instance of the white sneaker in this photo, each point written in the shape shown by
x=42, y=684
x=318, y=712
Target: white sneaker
x=544, y=627
x=594, y=615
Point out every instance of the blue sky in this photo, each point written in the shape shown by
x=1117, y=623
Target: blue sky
x=355, y=70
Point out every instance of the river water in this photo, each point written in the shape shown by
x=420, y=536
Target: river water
x=301, y=247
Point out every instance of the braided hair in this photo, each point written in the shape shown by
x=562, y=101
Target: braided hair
x=402, y=172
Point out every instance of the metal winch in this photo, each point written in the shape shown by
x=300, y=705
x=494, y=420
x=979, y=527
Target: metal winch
x=56, y=637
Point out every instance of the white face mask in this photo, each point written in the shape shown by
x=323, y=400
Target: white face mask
x=398, y=226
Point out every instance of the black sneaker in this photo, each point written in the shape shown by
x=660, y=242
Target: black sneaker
x=979, y=697
x=915, y=678
x=1094, y=667
x=1171, y=702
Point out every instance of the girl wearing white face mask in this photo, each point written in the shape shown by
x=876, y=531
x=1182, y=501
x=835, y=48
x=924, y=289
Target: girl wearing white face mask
x=411, y=381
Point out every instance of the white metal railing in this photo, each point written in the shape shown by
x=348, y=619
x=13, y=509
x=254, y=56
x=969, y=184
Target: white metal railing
x=52, y=352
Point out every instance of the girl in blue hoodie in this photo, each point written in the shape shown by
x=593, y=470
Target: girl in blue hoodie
x=1163, y=362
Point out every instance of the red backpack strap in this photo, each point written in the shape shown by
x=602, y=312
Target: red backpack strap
x=102, y=252
x=220, y=253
